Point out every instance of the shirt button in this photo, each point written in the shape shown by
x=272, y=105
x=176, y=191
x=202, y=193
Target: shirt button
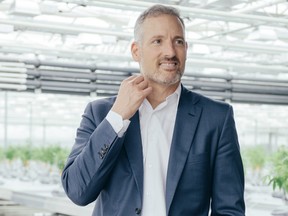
x=138, y=211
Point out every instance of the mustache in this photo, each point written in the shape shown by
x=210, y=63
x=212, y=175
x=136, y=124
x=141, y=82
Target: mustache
x=174, y=58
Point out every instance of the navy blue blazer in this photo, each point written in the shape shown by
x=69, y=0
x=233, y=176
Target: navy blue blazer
x=205, y=169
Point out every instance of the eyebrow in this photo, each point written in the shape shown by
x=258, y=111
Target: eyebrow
x=157, y=36
x=180, y=37
x=161, y=36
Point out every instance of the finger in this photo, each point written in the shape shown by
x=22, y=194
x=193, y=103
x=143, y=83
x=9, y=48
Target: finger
x=131, y=78
x=147, y=91
x=138, y=79
x=142, y=85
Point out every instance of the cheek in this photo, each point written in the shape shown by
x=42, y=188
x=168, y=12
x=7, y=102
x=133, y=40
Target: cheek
x=148, y=60
x=182, y=59
x=182, y=54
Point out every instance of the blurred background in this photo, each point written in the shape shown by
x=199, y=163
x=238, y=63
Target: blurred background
x=56, y=56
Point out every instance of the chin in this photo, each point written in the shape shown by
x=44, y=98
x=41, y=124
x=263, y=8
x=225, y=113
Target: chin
x=169, y=82
x=165, y=79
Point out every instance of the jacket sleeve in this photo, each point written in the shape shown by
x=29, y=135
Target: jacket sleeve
x=92, y=157
x=228, y=180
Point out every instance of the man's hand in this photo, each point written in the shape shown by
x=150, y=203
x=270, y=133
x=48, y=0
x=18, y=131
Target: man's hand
x=132, y=92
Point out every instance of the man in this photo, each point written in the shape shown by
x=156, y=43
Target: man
x=157, y=149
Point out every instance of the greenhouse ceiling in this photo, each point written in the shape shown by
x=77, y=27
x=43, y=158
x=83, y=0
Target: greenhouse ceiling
x=238, y=50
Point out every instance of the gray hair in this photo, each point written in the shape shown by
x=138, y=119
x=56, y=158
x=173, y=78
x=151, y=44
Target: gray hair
x=154, y=11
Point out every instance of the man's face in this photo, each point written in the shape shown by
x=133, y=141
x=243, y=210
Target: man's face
x=161, y=51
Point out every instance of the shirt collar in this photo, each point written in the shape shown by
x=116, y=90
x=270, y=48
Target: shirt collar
x=176, y=93
x=174, y=97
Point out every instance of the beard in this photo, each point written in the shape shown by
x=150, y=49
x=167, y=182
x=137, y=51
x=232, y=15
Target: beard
x=165, y=75
x=164, y=79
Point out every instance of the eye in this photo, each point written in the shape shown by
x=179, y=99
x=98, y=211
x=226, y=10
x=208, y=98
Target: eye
x=180, y=41
x=157, y=41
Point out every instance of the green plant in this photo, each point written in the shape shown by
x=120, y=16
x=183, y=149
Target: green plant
x=53, y=154
x=2, y=154
x=61, y=157
x=11, y=152
x=254, y=157
x=279, y=170
x=25, y=153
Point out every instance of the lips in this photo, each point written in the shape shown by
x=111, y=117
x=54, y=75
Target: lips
x=172, y=65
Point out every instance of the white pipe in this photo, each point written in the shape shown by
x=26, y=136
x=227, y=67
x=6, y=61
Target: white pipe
x=13, y=70
x=11, y=75
x=67, y=28
x=63, y=52
x=119, y=76
x=251, y=47
x=13, y=86
x=86, y=54
x=13, y=80
x=236, y=66
x=190, y=63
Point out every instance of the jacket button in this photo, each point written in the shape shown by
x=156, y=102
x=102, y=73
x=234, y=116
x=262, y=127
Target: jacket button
x=138, y=211
x=101, y=155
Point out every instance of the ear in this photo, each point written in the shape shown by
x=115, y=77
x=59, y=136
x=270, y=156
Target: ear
x=135, y=51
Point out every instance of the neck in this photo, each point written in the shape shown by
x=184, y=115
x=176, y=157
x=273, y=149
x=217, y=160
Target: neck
x=160, y=93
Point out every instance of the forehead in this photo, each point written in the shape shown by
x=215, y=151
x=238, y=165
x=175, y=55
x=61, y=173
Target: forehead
x=163, y=24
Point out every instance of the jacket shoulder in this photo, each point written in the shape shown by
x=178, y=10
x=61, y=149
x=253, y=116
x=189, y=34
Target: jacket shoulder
x=206, y=101
x=103, y=102
x=99, y=107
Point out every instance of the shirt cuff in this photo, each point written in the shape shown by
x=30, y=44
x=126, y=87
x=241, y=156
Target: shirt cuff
x=118, y=124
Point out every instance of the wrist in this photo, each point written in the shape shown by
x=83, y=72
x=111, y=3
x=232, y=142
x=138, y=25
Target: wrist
x=121, y=113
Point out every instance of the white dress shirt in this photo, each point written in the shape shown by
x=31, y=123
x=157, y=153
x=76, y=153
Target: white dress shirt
x=157, y=126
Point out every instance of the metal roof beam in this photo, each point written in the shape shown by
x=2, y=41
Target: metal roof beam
x=188, y=11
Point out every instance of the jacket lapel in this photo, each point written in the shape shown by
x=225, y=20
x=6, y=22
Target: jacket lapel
x=133, y=147
x=187, y=119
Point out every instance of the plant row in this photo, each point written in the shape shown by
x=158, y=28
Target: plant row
x=53, y=154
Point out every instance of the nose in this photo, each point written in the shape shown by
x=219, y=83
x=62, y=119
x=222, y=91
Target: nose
x=169, y=50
